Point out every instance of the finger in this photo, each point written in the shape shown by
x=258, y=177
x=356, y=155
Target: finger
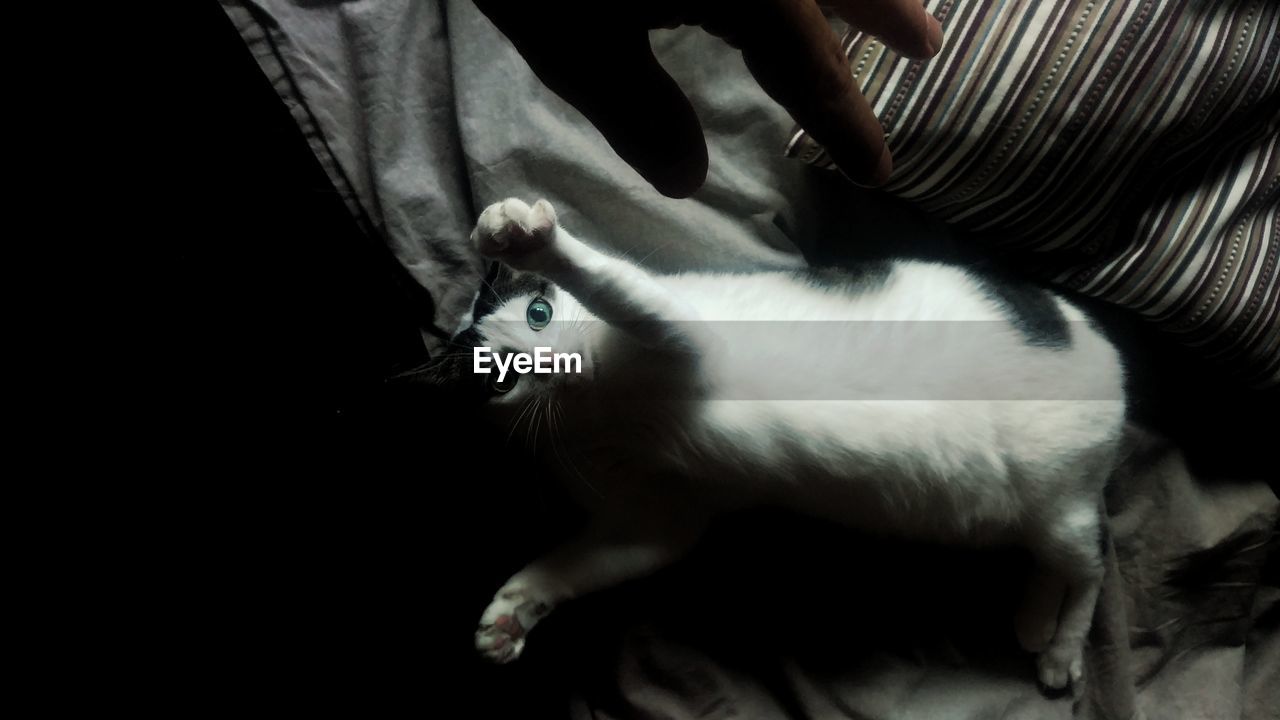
x=904, y=25
x=794, y=55
x=618, y=84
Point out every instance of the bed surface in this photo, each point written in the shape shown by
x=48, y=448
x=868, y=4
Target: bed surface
x=422, y=114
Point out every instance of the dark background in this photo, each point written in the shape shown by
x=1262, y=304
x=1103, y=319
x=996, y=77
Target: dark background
x=320, y=543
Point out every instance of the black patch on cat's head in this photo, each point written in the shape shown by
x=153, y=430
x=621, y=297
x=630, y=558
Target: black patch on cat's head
x=860, y=277
x=502, y=283
x=1032, y=310
x=450, y=375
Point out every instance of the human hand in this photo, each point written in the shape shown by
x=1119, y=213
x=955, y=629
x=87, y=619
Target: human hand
x=596, y=55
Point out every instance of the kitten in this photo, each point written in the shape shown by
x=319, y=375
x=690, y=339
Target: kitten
x=909, y=398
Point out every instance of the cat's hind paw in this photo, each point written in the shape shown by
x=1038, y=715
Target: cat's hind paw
x=506, y=623
x=1060, y=666
x=502, y=641
x=516, y=233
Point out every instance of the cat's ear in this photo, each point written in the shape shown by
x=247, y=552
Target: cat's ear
x=504, y=276
x=487, y=296
x=502, y=283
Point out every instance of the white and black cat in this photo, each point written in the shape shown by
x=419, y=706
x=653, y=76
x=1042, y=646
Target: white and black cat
x=910, y=398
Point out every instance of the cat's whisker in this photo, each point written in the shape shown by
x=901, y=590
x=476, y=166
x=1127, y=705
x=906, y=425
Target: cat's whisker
x=531, y=431
x=410, y=372
x=439, y=359
x=501, y=298
x=565, y=456
x=516, y=422
x=535, y=424
x=546, y=413
x=627, y=254
x=553, y=431
x=578, y=324
x=431, y=364
x=425, y=367
x=663, y=246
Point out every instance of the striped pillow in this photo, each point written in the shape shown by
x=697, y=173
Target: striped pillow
x=1129, y=149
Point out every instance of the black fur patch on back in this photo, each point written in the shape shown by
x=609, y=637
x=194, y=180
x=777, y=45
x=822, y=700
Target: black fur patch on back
x=1033, y=310
x=861, y=277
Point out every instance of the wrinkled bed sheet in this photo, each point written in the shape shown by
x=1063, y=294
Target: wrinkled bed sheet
x=776, y=618
x=422, y=114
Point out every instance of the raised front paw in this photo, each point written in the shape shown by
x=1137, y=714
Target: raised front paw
x=506, y=623
x=515, y=233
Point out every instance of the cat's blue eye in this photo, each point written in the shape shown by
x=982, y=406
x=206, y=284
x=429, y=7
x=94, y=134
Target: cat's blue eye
x=538, y=314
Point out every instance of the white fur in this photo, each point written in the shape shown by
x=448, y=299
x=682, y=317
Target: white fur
x=686, y=411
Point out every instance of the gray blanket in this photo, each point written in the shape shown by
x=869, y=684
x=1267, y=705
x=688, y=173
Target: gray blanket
x=422, y=114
